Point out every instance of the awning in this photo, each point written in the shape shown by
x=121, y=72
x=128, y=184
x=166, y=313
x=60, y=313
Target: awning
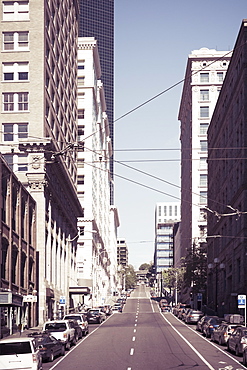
x=79, y=290
x=11, y=299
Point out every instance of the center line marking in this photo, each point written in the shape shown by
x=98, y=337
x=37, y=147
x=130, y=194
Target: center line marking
x=131, y=351
x=133, y=339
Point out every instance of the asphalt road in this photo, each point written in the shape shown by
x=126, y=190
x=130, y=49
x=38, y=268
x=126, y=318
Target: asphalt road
x=142, y=338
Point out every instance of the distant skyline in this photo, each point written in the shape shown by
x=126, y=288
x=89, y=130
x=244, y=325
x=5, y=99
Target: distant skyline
x=152, y=44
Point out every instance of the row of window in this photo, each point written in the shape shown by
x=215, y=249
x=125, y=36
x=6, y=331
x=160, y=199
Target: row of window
x=204, y=77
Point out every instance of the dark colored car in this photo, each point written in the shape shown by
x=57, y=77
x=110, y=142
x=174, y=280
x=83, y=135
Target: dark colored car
x=49, y=346
x=210, y=325
x=95, y=315
x=202, y=321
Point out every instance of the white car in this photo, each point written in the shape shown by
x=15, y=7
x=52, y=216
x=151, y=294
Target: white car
x=63, y=330
x=20, y=353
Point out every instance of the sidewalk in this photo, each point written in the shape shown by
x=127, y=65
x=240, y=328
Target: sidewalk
x=24, y=333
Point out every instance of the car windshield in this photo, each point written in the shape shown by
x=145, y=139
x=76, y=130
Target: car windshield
x=15, y=348
x=55, y=326
x=94, y=311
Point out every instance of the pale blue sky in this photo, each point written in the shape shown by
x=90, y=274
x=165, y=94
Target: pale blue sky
x=152, y=41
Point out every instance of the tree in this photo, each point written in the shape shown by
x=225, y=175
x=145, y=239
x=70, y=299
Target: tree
x=130, y=277
x=195, y=264
x=145, y=266
x=173, y=278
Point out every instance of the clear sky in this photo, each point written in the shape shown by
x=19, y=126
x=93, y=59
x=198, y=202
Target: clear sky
x=153, y=39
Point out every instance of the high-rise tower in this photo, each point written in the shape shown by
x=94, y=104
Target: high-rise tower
x=96, y=19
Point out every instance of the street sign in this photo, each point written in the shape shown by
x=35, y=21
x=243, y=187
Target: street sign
x=62, y=300
x=199, y=297
x=242, y=301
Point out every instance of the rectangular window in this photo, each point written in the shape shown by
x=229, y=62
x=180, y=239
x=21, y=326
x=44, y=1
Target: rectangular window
x=220, y=76
x=22, y=101
x=203, y=180
x=8, y=132
x=15, y=71
x=15, y=131
x=159, y=211
x=204, y=94
x=15, y=41
x=9, y=160
x=170, y=211
x=165, y=211
x=203, y=163
x=81, y=80
x=204, y=77
x=80, y=180
x=204, y=112
x=203, y=145
x=15, y=10
x=8, y=102
x=203, y=197
x=203, y=128
x=22, y=162
x=81, y=113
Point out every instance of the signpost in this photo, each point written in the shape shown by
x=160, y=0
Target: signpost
x=242, y=304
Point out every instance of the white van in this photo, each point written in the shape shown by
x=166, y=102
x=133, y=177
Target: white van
x=19, y=353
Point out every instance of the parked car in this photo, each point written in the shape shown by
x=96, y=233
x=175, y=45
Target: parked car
x=193, y=316
x=180, y=307
x=49, y=346
x=237, y=341
x=245, y=357
x=20, y=353
x=202, y=321
x=223, y=332
x=95, y=315
x=63, y=330
x=210, y=325
x=117, y=307
x=81, y=319
x=184, y=313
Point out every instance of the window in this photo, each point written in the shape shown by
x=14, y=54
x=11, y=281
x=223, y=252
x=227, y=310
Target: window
x=204, y=112
x=15, y=10
x=15, y=102
x=203, y=145
x=81, y=80
x=15, y=41
x=80, y=180
x=203, y=197
x=170, y=211
x=203, y=180
x=203, y=128
x=165, y=211
x=81, y=113
x=204, y=77
x=81, y=64
x=15, y=71
x=14, y=131
x=204, y=94
x=203, y=163
x=22, y=162
x=220, y=76
x=17, y=162
x=8, y=102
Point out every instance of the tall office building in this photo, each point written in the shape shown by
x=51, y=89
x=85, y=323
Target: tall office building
x=205, y=72
x=227, y=186
x=167, y=214
x=39, y=131
x=97, y=20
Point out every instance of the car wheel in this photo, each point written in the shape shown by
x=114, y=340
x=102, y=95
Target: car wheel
x=75, y=339
x=62, y=351
x=51, y=357
x=237, y=351
x=67, y=346
x=244, y=359
x=220, y=341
